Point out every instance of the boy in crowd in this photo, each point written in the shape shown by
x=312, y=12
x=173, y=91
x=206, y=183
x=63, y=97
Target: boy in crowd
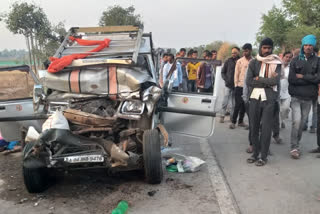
x=204, y=79
x=192, y=69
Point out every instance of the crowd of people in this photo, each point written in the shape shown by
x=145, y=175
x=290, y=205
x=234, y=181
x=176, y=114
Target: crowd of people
x=267, y=88
x=189, y=76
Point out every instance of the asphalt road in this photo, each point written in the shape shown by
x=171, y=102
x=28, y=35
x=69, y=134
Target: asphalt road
x=95, y=192
x=283, y=186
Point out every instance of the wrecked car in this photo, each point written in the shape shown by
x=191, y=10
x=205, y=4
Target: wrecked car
x=104, y=106
x=108, y=99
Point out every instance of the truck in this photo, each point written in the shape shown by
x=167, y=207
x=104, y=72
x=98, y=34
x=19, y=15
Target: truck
x=108, y=108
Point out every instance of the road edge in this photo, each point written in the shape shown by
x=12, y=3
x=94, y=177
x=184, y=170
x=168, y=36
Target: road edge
x=225, y=197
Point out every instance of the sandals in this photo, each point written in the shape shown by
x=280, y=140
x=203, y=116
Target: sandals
x=251, y=160
x=295, y=154
x=261, y=162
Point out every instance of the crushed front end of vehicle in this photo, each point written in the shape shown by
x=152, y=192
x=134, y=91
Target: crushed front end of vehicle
x=109, y=109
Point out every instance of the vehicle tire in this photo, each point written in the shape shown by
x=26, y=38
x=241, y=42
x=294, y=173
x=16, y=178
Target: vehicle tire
x=152, y=156
x=36, y=180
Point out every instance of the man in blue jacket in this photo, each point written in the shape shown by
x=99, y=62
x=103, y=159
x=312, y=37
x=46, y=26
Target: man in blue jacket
x=303, y=87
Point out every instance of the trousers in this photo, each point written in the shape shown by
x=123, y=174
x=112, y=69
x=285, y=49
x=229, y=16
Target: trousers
x=261, y=113
x=239, y=108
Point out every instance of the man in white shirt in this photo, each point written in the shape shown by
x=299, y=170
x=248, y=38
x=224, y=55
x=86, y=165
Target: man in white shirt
x=163, y=63
x=284, y=92
x=176, y=76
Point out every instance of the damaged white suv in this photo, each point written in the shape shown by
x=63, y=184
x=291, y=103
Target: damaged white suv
x=111, y=102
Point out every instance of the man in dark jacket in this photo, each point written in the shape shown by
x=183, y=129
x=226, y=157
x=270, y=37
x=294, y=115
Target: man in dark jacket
x=227, y=74
x=263, y=81
x=303, y=87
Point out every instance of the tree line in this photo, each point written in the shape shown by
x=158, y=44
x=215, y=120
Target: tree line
x=13, y=53
x=290, y=22
x=286, y=25
x=44, y=37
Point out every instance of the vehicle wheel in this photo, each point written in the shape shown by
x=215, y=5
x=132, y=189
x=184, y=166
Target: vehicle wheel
x=36, y=180
x=152, y=156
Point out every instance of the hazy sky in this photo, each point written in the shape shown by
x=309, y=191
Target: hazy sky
x=173, y=23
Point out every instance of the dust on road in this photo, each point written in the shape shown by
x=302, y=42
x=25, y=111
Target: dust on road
x=96, y=192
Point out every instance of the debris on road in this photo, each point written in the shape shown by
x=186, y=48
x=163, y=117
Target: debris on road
x=3, y=143
x=168, y=151
x=12, y=189
x=9, y=147
x=122, y=208
x=23, y=200
x=169, y=180
x=13, y=148
x=172, y=168
x=152, y=193
x=182, y=164
x=171, y=161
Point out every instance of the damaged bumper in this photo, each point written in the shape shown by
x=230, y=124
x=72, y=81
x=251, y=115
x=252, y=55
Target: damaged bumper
x=57, y=148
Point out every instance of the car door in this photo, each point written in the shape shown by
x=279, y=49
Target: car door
x=191, y=113
x=16, y=103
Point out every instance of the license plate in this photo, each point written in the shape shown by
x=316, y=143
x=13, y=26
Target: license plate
x=84, y=159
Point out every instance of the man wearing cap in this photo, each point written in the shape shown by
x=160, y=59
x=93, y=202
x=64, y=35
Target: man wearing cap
x=303, y=87
x=239, y=74
x=263, y=81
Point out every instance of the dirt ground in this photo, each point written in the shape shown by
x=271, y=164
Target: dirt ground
x=93, y=191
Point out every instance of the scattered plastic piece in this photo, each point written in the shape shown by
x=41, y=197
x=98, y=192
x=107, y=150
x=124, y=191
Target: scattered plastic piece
x=3, y=145
x=172, y=168
x=12, y=144
x=171, y=161
x=122, y=208
x=181, y=163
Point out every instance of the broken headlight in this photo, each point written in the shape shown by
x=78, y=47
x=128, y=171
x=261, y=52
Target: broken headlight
x=132, y=107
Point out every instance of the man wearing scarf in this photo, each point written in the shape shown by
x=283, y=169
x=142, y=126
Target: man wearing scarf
x=263, y=82
x=303, y=87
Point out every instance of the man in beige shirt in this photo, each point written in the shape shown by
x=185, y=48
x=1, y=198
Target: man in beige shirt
x=239, y=78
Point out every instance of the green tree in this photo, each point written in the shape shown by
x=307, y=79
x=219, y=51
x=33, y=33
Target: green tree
x=30, y=20
x=304, y=12
x=275, y=25
x=287, y=25
x=118, y=15
x=294, y=35
x=214, y=45
x=211, y=46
